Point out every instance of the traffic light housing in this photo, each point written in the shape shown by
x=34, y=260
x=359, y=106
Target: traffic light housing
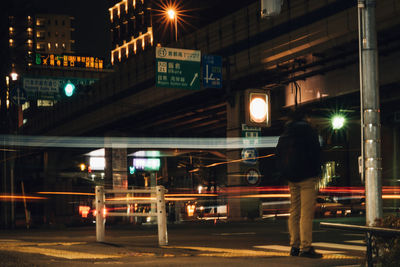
x=257, y=108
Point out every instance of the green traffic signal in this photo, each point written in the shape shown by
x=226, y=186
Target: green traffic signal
x=338, y=121
x=69, y=89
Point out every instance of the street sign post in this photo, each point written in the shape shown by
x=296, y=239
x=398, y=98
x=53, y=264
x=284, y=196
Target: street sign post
x=212, y=71
x=178, y=68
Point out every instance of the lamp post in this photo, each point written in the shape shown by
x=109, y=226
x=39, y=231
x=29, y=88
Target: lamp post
x=173, y=16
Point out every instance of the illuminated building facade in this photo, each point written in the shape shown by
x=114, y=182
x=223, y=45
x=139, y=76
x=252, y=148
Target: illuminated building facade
x=131, y=28
x=53, y=34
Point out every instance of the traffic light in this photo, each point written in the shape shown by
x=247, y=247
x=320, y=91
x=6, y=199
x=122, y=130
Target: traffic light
x=338, y=121
x=69, y=89
x=257, y=108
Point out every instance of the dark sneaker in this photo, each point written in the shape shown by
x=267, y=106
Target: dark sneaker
x=310, y=253
x=294, y=251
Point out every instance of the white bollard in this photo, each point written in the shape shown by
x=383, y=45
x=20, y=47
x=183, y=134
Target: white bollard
x=161, y=216
x=100, y=221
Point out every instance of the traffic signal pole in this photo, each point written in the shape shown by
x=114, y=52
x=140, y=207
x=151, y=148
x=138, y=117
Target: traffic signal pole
x=370, y=111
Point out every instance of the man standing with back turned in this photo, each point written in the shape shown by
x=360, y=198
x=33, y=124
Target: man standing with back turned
x=298, y=157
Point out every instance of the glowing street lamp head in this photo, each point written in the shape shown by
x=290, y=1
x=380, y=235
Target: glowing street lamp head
x=14, y=76
x=338, y=122
x=171, y=13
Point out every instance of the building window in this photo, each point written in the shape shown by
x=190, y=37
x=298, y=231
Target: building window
x=49, y=45
x=63, y=45
x=39, y=22
x=56, y=34
x=40, y=34
x=49, y=22
x=63, y=22
x=40, y=47
x=48, y=34
x=56, y=45
x=56, y=22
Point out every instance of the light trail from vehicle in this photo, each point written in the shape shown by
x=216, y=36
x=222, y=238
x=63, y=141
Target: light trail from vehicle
x=135, y=142
x=67, y=193
x=14, y=197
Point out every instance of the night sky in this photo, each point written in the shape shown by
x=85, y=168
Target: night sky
x=92, y=26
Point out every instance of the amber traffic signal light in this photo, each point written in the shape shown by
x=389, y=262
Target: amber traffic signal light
x=257, y=108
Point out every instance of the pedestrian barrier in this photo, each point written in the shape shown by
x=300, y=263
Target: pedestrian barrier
x=369, y=230
x=159, y=201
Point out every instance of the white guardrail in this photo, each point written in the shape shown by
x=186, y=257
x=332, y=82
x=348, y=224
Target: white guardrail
x=160, y=213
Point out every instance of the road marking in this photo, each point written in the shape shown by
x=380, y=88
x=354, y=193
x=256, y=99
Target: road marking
x=236, y=253
x=225, y=234
x=339, y=246
x=67, y=254
x=362, y=242
x=287, y=249
x=232, y=253
x=37, y=248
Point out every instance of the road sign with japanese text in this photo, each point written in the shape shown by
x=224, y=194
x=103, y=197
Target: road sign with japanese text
x=177, y=68
x=212, y=71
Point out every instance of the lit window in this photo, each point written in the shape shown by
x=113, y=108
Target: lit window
x=56, y=45
x=11, y=30
x=63, y=45
x=11, y=41
x=49, y=45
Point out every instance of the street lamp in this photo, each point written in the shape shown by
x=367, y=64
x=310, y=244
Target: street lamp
x=173, y=16
x=14, y=75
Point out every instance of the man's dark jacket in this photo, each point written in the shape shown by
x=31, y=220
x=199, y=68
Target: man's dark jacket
x=298, y=152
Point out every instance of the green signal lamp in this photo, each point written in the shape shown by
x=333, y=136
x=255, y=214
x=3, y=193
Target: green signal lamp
x=338, y=121
x=69, y=89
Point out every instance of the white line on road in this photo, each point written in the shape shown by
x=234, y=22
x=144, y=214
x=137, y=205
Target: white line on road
x=249, y=233
x=339, y=246
x=287, y=249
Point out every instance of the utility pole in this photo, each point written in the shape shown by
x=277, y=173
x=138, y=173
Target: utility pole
x=370, y=111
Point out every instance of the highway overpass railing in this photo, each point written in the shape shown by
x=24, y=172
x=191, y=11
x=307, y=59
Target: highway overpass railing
x=158, y=202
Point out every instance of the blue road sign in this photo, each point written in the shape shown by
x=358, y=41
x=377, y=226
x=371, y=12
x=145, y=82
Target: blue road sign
x=212, y=71
x=253, y=177
x=18, y=96
x=249, y=155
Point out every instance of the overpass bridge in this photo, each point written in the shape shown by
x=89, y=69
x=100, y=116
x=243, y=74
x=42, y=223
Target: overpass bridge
x=312, y=46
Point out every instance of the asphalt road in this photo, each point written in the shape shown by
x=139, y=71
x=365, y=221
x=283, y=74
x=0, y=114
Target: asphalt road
x=261, y=243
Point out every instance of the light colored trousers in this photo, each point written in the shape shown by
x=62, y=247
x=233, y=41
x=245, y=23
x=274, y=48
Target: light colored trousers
x=302, y=208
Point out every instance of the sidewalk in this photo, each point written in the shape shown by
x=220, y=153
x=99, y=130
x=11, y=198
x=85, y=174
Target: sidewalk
x=241, y=244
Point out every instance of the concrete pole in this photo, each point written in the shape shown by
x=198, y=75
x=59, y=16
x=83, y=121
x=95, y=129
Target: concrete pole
x=161, y=216
x=100, y=221
x=370, y=116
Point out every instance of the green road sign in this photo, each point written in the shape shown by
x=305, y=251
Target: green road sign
x=177, y=68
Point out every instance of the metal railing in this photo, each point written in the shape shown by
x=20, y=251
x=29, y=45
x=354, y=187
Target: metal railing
x=370, y=232
x=158, y=201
